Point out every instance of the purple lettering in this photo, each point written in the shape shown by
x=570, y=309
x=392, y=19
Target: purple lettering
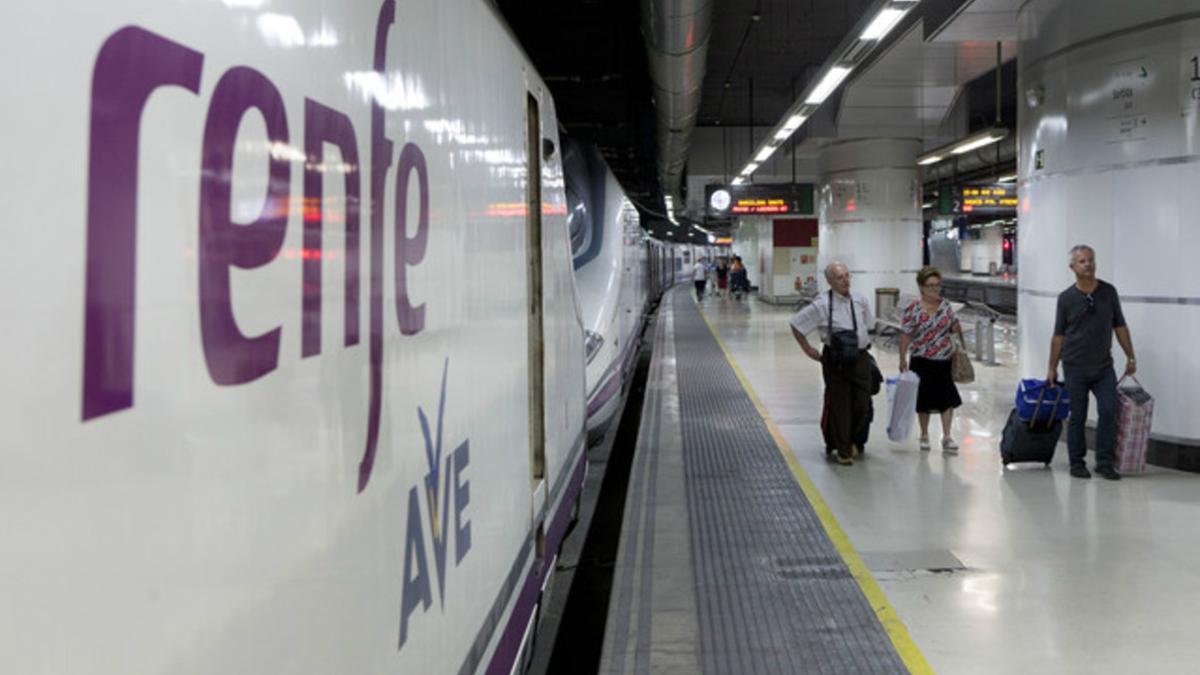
x=410, y=250
x=433, y=457
x=462, y=497
x=132, y=63
x=381, y=159
x=232, y=357
x=415, y=587
x=325, y=125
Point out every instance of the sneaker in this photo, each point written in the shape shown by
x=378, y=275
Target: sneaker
x=1081, y=472
x=925, y=444
x=844, y=461
x=1108, y=473
x=949, y=447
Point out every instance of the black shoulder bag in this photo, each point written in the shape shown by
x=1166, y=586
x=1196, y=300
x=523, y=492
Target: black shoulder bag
x=843, y=344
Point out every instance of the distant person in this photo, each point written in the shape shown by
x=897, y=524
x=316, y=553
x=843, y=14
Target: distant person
x=1087, y=315
x=739, y=282
x=843, y=319
x=927, y=325
x=723, y=277
x=700, y=278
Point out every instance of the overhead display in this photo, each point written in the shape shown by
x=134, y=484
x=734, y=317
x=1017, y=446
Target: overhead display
x=723, y=201
x=1000, y=199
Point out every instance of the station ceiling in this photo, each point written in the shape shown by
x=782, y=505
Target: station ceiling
x=762, y=53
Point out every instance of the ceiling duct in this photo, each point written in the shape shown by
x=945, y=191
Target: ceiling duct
x=676, y=33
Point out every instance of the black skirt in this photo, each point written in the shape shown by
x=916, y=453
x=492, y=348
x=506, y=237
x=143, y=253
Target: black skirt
x=937, y=391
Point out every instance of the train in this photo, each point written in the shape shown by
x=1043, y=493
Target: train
x=307, y=337
x=620, y=273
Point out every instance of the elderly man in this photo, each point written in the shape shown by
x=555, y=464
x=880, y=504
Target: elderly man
x=843, y=319
x=1088, y=313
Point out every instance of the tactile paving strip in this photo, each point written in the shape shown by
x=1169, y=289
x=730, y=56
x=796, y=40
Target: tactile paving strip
x=772, y=593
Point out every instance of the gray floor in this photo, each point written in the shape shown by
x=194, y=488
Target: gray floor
x=994, y=571
x=724, y=566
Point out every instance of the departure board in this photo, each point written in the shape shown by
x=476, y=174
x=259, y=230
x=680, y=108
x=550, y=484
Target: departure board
x=1000, y=199
x=723, y=201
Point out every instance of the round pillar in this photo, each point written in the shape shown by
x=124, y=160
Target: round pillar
x=1109, y=156
x=869, y=213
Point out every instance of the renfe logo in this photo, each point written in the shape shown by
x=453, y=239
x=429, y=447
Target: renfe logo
x=131, y=65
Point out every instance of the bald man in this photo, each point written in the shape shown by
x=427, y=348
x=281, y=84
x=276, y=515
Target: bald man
x=843, y=320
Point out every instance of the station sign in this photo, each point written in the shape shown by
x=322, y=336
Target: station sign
x=724, y=201
x=999, y=199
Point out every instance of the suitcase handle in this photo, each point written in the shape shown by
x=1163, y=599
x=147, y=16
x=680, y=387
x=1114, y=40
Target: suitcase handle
x=1037, y=408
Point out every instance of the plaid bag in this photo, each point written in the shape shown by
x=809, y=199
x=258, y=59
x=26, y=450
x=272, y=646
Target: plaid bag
x=961, y=370
x=1135, y=410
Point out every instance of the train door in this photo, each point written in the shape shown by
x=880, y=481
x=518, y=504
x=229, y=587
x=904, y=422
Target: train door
x=537, y=349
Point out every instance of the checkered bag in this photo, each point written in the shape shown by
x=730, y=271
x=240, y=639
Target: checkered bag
x=1135, y=410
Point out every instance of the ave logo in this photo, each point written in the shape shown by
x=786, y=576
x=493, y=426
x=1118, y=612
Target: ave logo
x=445, y=477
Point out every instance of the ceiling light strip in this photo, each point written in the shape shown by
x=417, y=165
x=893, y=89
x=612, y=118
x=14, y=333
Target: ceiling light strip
x=964, y=145
x=887, y=15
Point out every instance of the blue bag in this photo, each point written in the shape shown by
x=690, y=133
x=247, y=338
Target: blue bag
x=1037, y=402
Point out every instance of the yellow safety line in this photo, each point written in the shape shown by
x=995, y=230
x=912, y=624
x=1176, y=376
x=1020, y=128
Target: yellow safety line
x=901, y=640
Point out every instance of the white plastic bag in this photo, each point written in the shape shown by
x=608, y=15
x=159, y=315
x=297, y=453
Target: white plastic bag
x=902, y=405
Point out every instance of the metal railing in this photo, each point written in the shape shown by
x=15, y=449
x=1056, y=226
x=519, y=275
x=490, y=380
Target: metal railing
x=985, y=332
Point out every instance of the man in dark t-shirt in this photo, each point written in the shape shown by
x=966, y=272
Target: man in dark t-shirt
x=1088, y=314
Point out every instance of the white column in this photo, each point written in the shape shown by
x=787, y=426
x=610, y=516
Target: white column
x=1109, y=156
x=869, y=213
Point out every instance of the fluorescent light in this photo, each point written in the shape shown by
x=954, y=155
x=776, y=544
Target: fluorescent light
x=793, y=123
x=1011, y=178
x=883, y=23
x=974, y=144
x=765, y=154
x=750, y=168
x=738, y=181
x=827, y=84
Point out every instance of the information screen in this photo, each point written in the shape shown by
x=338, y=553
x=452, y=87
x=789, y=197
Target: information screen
x=998, y=199
x=723, y=201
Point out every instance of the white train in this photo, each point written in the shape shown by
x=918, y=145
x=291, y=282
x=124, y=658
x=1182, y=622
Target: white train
x=619, y=273
x=294, y=375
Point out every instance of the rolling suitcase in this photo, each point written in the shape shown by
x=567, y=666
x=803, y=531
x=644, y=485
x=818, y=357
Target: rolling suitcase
x=1032, y=441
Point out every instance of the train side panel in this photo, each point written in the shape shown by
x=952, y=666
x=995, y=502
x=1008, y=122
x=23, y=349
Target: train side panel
x=266, y=396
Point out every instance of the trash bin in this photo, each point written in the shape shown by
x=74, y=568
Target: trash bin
x=886, y=300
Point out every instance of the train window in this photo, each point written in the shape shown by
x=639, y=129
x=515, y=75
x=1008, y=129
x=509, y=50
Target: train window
x=579, y=221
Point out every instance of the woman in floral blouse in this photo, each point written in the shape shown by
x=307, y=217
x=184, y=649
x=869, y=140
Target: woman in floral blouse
x=926, y=327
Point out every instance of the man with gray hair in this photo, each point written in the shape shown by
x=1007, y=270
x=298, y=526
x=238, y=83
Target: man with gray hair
x=843, y=319
x=1088, y=314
